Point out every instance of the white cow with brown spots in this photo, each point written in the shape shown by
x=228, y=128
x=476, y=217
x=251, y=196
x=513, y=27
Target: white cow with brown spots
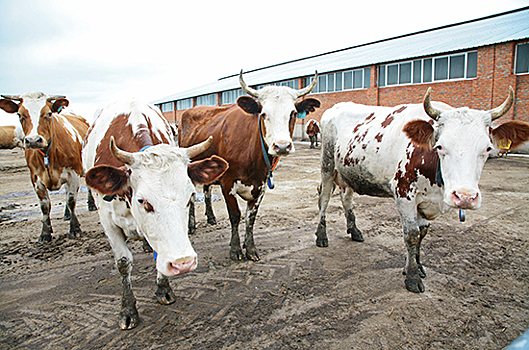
x=428, y=156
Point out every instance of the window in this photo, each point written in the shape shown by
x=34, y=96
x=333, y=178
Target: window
x=207, y=100
x=348, y=80
x=521, y=65
x=289, y=83
x=231, y=96
x=184, y=104
x=457, y=66
x=167, y=107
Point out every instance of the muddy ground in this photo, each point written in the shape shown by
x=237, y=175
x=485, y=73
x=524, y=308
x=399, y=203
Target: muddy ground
x=66, y=295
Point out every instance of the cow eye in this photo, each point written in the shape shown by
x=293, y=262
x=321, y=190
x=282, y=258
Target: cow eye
x=263, y=115
x=141, y=201
x=489, y=149
x=146, y=205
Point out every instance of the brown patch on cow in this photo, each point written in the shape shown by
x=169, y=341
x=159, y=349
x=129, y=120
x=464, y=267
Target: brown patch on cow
x=370, y=117
x=391, y=117
x=420, y=161
x=378, y=137
x=420, y=133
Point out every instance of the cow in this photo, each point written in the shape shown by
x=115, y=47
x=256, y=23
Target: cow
x=143, y=185
x=428, y=157
x=11, y=136
x=251, y=135
x=313, y=129
x=52, y=141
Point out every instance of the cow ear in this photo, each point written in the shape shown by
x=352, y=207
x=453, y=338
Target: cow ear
x=59, y=104
x=8, y=106
x=249, y=105
x=308, y=105
x=513, y=133
x=420, y=133
x=108, y=180
x=206, y=171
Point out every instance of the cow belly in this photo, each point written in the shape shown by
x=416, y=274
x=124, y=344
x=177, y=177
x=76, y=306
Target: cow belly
x=364, y=183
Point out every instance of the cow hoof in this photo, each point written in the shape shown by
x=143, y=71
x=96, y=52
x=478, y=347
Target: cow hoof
x=322, y=242
x=236, y=255
x=66, y=217
x=191, y=230
x=165, y=296
x=212, y=221
x=45, y=238
x=253, y=256
x=356, y=236
x=75, y=233
x=128, y=320
x=92, y=207
x=414, y=285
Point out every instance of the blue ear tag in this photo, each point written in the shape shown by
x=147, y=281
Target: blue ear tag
x=462, y=215
x=46, y=161
x=270, y=181
x=155, y=256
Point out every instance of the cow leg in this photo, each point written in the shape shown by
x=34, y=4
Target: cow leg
x=209, y=208
x=91, y=202
x=235, y=217
x=251, y=214
x=191, y=224
x=412, y=237
x=316, y=139
x=311, y=137
x=67, y=216
x=45, y=208
x=164, y=293
x=72, y=186
x=424, y=225
x=128, y=314
x=346, y=194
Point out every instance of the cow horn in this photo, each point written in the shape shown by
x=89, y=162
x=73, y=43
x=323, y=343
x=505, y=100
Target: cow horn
x=505, y=106
x=120, y=155
x=195, y=150
x=432, y=112
x=309, y=88
x=12, y=97
x=245, y=88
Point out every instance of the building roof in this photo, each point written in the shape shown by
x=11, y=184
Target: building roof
x=495, y=29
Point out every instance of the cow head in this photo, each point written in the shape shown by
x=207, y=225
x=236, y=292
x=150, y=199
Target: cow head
x=463, y=139
x=278, y=110
x=35, y=111
x=158, y=186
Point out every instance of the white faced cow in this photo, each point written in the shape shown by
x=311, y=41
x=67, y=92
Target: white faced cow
x=428, y=157
x=52, y=142
x=143, y=184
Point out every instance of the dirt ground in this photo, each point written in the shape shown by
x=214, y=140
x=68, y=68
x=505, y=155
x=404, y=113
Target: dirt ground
x=66, y=294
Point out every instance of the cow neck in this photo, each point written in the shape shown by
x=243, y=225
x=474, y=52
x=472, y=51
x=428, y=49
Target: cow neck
x=275, y=160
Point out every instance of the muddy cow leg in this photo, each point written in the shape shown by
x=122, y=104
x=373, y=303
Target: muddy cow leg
x=72, y=187
x=311, y=138
x=164, y=293
x=346, y=194
x=209, y=208
x=325, y=190
x=235, y=217
x=128, y=314
x=91, y=202
x=45, y=207
x=412, y=237
x=67, y=215
x=424, y=225
x=191, y=224
x=251, y=213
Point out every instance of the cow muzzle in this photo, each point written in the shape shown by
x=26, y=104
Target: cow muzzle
x=281, y=148
x=183, y=265
x=463, y=200
x=35, y=142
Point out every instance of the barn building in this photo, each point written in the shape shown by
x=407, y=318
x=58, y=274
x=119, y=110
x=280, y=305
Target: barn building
x=467, y=64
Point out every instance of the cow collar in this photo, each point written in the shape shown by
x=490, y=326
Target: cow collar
x=271, y=167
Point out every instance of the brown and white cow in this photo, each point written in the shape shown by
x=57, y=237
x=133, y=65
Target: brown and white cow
x=428, y=156
x=11, y=136
x=53, y=142
x=143, y=184
x=237, y=139
x=313, y=129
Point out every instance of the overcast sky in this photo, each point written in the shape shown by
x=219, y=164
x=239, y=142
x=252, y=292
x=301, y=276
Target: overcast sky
x=97, y=51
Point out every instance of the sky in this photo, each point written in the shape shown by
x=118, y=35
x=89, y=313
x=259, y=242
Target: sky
x=95, y=52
